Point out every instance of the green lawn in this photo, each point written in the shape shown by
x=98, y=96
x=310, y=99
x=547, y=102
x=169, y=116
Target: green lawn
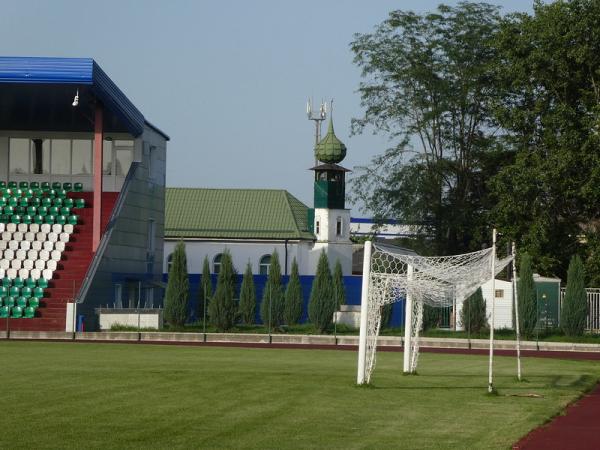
x=62, y=395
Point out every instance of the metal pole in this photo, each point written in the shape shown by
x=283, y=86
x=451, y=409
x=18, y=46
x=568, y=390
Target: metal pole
x=270, y=311
x=408, y=322
x=491, y=365
x=364, y=306
x=516, y=298
x=204, y=314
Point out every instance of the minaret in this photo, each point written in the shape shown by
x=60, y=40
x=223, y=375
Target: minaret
x=332, y=219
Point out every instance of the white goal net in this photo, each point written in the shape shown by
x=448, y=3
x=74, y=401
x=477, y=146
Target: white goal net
x=392, y=274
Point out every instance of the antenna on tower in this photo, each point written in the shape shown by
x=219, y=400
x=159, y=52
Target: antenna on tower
x=317, y=117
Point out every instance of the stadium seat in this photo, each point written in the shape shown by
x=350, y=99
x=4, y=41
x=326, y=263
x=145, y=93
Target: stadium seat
x=47, y=274
x=57, y=228
x=3, y=184
x=12, y=185
x=30, y=283
x=4, y=312
x=9, y=301
x=17, y=281
x=67, y=187
x=56, y=185
x=42, y=283
x=45, y=186
x=16, y=312
x=23, y=185
x=29, y=313
x=35, y=274
x=68, y=203
x=61, y=219
x=38, y=292
x=49, y=219
x=72, y=220
x=22, y=301
x=14, y=291
x=34, y=302
x=6, y=282
x=79, y=203
x=47, y=203
x=34, y=185
x=3, y=291
x=24, y=272
x=78, y=187
x=45, y=228
x=26, y=291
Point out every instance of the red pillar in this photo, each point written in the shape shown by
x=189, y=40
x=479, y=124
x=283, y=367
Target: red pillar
x=96, y=232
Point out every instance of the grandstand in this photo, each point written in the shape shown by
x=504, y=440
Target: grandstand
x=82, y=178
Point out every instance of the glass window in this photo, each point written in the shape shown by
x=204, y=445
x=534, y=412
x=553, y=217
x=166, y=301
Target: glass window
x=217, y=263
x=40, y=156
x=265, y=263
x=169, y=262
x=499, y=293
x=82, y=157
x=107, y=157
x=338, y=226
x=18, y=159
x=61, y=156
x=317, y=227
x=123, y=159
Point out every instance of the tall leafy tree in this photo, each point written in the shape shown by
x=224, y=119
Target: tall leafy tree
x=178, y=288
x=293, y=297
x=549, y=77
x=271, y=307
x=526, y=295
x=247, y=297
x=574, y=307
x=205, y=290
x=322, y=305
x=428, y=85
x=222, y=308
x=473, y=316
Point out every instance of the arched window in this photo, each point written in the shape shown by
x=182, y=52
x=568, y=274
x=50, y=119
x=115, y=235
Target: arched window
x=265, y=263
x=217, y=263
x=169, y=262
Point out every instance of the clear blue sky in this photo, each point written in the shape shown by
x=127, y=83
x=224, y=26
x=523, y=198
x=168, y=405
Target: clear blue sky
x=227, y=80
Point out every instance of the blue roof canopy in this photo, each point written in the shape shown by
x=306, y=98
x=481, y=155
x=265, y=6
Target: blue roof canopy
x=36, y=93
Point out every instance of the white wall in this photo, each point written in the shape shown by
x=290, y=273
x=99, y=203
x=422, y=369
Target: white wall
x=503, y=305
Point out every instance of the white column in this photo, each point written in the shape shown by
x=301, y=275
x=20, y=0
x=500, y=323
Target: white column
x=491, y=366
x=408, y=310
x=364, y=311
x=516, y=298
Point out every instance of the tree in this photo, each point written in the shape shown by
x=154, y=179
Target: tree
x=526, y=295
x=205, y=290
x=247, y=297
x=547, y=195
x=222, y=308
x=271, y=307
x=473, y=316
x=339, y=291
x=429, y=84
x=321, y=305
x=574, y=308
x=293, y=297
x=178, y=288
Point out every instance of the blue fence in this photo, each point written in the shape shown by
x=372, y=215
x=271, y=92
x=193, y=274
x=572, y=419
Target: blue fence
x=352, y=286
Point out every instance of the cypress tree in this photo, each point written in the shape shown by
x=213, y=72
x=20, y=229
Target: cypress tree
x=339, y=292
x=272, y=300
x=321, y=305
x=205, y=288
x=178, y=288
x=574, y=308
x=473, y=315
x=222, y=308
x=293, y=297
x=527, y=297
x=247, y=297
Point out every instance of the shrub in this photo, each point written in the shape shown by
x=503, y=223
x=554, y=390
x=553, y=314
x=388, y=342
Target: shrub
x=271, y=307
x=431, y=317
x=339, y=292
x=574, y=308
x=526, y=297
x=293, y=297
x=178, y=288
x=321, y=305
x=473, y=316
x=247, y=297
x=205, y=289
x=222, y=308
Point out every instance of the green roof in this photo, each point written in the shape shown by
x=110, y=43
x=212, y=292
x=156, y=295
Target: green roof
x=330, y=150
x=235, y=214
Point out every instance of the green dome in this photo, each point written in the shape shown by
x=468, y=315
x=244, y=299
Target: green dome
x=330, y=150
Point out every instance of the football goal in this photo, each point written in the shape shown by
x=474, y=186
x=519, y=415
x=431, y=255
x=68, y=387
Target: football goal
x=391, y=274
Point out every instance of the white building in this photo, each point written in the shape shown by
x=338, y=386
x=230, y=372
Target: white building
x=503, y=304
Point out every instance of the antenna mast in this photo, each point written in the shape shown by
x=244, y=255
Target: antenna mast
x=317, y=117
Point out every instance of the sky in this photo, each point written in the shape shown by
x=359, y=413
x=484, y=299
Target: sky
x=227, y=80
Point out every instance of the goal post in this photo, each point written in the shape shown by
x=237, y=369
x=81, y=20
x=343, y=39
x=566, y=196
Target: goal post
x=364, y=305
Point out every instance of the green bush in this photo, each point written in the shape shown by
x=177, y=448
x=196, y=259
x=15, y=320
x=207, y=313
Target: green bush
x=431, y=317
x=205, y=291
x=178, y=288
x=247, y=297
x=526, y=297
x=473, y=316
x=339, y=292
x=574, y=308
x=222, y=308
x=292, y=311
x=271, y=307
x=321, y=305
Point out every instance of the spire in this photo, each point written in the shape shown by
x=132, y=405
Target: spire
x=330, y=150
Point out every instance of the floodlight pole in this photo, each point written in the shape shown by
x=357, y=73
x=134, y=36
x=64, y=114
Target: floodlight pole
x=491, y=367
x=516, y=298
x=364, y=311
x=408, y=310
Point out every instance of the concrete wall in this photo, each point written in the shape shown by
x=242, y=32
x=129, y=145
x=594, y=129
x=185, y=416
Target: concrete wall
x=144, y=318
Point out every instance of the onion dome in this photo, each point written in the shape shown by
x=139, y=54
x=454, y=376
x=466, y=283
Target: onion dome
x=330, y=150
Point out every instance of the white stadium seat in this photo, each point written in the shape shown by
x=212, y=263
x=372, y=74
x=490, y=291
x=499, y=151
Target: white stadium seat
x=55, y=255
x=24, y=273
x=32, y=254
x=16, y=264
x=30, y=236
x=22, y=227
x=63, y=237
x=6, y=236
x=13, y=245
x=40, y=236
x=2, y=227
x=57, y=228
x=47, y=274
x=20, y=255
x=68, y=228
x=45, y=228
x=36, y=245
x=60, y=246
x=35, y=274
x=17, y=236
x=3, y=245
x=11, y=273
x=52, y=265
x=2, y=273
x=52, y=237
x=40, y=264
x=34, y=228
x=11, y=227
x=28, y=264
x=4, y=264
x=9, y=254
x=44, y=255
x=25, y=245
x=48, y=246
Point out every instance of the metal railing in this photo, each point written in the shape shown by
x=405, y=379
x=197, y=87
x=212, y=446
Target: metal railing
x=593, y=299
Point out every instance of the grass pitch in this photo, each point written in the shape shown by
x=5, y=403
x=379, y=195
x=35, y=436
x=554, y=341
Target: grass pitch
x=63, y=395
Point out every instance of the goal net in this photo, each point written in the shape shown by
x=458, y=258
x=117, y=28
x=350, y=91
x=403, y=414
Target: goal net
x=391, y=274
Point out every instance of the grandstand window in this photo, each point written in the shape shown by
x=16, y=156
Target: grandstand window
x=169, y=262
x=338, y=227
x=217, y=263
x=61, y=157
x=123, y=156
x=82, y=157
x=265, y=263
x=18, y=155
x=40, y=156
x=107, y=157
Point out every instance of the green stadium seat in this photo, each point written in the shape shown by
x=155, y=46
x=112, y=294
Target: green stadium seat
x=47, y=202
x=53, y=210
x=49, y=218
x=45, y=186
x=9, y=210
x=79, y=203
x=58, y=202
x=56, y=185
x=37, y=192
x=61, y=219
x=22, y=302
x=31, y=210
x=12, y=185
x=15, y=218
x=30, y=283
x=4, y=312
x=13, y=201
x=69, y=202
x=9, y=301
x=23, y=185
x=16, y=312
x=27, y=219
x=34, y=302
x=20, y=210
x=23, y=201
x=14, y=291
x=3, y=291
x=4, y=218
x=6, y=282
x=65, y=211
x=51, y=193
x=42, y=283
x=36, y=201
x=78, y=187
x=26, y=291
x=38, y=292
x=2, y=202
x=39, y=219
x=19, y=282
x=61, y=193
x=29, y=313
x=28, y=193
x=16, y=192
x=2, y=184
x=34, y=185
x=67, y=187
x=72, y=220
